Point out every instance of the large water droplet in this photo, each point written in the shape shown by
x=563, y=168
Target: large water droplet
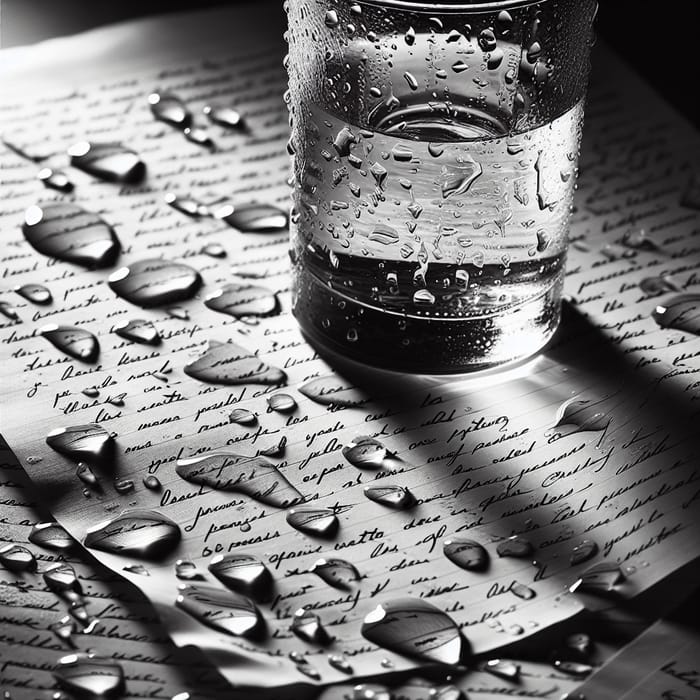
x=65, y=231
x=224, y=116
x=254, y=218
x=214, y=250
x=522, y=591
x=8, y=311
x=282, y=403
x=35, y=293
x=503, y=669
x=330, y=390
x=515, y=546
x=112, y=162
x=397, y=497
x=320, y=522
x=199, y=136
x=139, y=533
x=17, y=558
x=170, y=109
x=154, y=282
x=242, y=416
x=138, y=330
x=658, y=285
x=90, y=442
x=582, y=413
x=187, y=570
x=447, y=692
x=386, y=235
x=90, y=676
x=151, y=482
x=415, y=628
x=307, y=625
x=336, y=572
x=600, y=578
x=681, y=313
x=51, y=536
x=224, y=611
x=239, y=300
x=61, y=577
x=244, y=574
x=252, y=476
x=228, y=363
x=458, y=180
x=466, y=553
x=55, y=180
x=74, y=342
x=371, y=691
x=366, y=452
x=331, y=19
x=64, y=630
x=583, y=551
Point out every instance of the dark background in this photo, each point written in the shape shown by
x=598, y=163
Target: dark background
x=656, y=38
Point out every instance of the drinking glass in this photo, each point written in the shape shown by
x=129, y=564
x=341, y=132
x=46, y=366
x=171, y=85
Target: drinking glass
x=434, y=151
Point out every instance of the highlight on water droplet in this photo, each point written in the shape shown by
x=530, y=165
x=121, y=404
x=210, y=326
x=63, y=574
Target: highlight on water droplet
x=318, y=522
x=307, y=625
x=16, y=558
x=502, y=668
x=151, y=482
x=35, y=293
x=187, y=570
x=222, y=115
x=282, y=403
x=522, y=591
x=244, y=574
x=90, y=442
x=55, y=180
x=366, y=452
x=680, y=313
x=61, y=577
x=242, y=416
x=600, y=578
x=90, y=676
x=336, y=572
x=112, y=162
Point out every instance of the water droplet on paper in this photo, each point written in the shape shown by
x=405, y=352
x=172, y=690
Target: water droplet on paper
x=170, y=109
x=330, y=390
x=466, y=553
x=123, y=486
x=151, y=482
x=68, y=232
x=573, y=668
x=55, y=180
x=366, y=452
x=282, y=403
x=522, y=591
x=397, y=497
x=51, y=536
x=386, y=235
x=112, y=162
x=139, y=533
x=90, y=442
x=681, y=313
x=61, y=577
x=276, y=449
x=371, y=691
x=139, y=331
x=35, y=293
x=64, y=629
x=244, y=574
x=583, y=551
x=423, y=297
x=186, y=204
x=307, y=625
x=458, y=180
x=460, y=66
x=221, y=610
x=331, y=19
x=320, y=522
x=224, y=116
x=658, y=285
x=252, y=476
x=254, y=218
x=74, y=342
x=155, y=282
x=90, y=676
x=242, y=416
x=582, y=413
x=515, y=546
x=17, y=558
x=240, y=300
x=8, y=311
x=199, y=136
x=86, y=475
x=228, y=363
x=187, y=570
x=600, y=578
x=503, y=669
x=336, y=572
x=340, y=663
x=414, y=628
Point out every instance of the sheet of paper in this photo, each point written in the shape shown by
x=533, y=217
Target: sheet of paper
x=481, y=456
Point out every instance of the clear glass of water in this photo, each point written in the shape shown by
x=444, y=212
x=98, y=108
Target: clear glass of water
x=434, y=152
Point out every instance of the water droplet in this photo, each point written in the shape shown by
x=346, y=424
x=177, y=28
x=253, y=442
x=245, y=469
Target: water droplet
x=522, y=591
x=68, y=232
x=64, y=629
x=542, y=241
x=320, y=522
x=386, y=235
x=224, y=116
x=90, y=676
x=580, y=643
x=242, y=416
x=423, y=297
x=681, y=313
x=336, y=572
x=458, y=180
x=61, y=577
x=397, y=497
x=90, y=442
x=583, y=414
x=155, y=282
x=307, y=625
x=414, y=628
x=35, y=293
x=224, y=611
x=16, y=558
x=139, y=331
x=467, y=554
x=252, y=476
x=199, y=136
x=178, y=312
x=515, y=546
x=51, y=536
x=599, y=578
x=86, y=475
x=584, y=551
x=55, y=180
x=187, y=205
x=187, y=570
x=340, y=663
x=658, y=285
x=214, y=250
x=112, y=162
x=330, y=390
x=460, y=67
x=170, y=109
x=74, y=342
x=503, y=669
x=139, y=533
x=91, y=391
x=239, y=300
x=123, y=486
x=573, y=668
x=244, y=574
x=151, y=482
x=282, y=403
x=331, y=19
x=371, y=691
x=411, y=80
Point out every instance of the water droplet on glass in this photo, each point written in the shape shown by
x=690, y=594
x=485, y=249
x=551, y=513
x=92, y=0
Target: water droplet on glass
x=187, y=570
x=244, y=574
x=224, y=116
x=68, y=232
x=239, y=300
x=681, y=313
x=331, y=19
x=599, y=578
x=466, y=553
x=436, y=149
x=410, y=36
x=55, y=180
x=151, y=482
x=242, y=416
x=503, y=669
x=155, y=282
x=319, y=522
x=411, y=80
x=139, y=533
x=90, y=442
x=446, y=692
x=90, y=676
x=307, y=625
x=658, y=285
x=170, y=109
x=397, y=497
x=222, y=610
x=252, y=476
x=379, y=173
x=515, y=546
x=282, y=403
x=35, y=293
x=61, y=577
x=504, y=19
x=582, y=413
x=51, y=536
x=336, y=572
x=386, y=235
x=522, y=591
x=458, y=180
x=74, y=342
x=139, y=331
x=112, y=162
x=542, y=241
x=17, y=558
x=330, y=390
x=583, y=551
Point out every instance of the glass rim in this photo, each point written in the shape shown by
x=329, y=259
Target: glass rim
x=458, y=6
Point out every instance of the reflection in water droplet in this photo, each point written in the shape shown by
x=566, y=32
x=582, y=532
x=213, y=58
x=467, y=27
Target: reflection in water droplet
x=386, y=235
x=585, y=414
x=60, y=577
x=681, y=313
x=8, y=311
x=91, y=391
x=583, y=552
x=397, y=497
x=149, y=283
x=254, y=218
x=74, y=342
x=307, y=625
x=151, y=482
x=139, y=331
x=55, y=180
x=112, y=162
x=515, y=546
x=170, y=109
x=224, y=611
x=239, y=300
x=600, y=578
x=187, y=570
x=90, y=442
x=228, y=363
x=138, y=569
x=242, y=416
x=282, y=403
x=65, y=231
x=340, y=663
x=35, y=293
x=244, y=574
x=90, y=676
x=51, y=536
x=387, y=663
x=320, y=522
x=139, y=533
x=336, y=572
x=64, y=630
x=522, y=591
x=503, y=669
x=458, y=180
x=187, y=205
x=467, y=554
x=16, y=558
x=658, y=285
x=414, y=628
x=200, y=136
x=214, y=250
